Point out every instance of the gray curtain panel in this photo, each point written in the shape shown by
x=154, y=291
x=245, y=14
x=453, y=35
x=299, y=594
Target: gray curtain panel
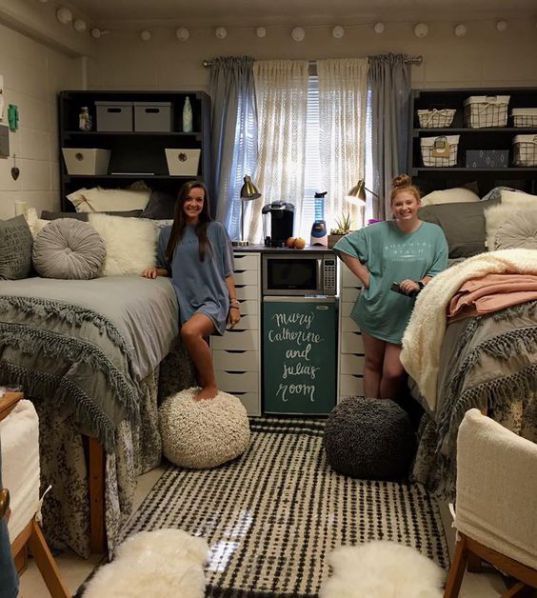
x=234, y=135
x=389, y=83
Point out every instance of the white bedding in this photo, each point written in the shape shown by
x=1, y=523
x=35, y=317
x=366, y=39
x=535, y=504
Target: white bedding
x=20, y=464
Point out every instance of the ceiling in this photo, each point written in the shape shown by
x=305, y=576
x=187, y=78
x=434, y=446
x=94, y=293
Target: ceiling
x=264, y=12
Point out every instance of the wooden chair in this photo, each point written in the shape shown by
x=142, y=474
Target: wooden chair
x=496, y=508
x=28, y=533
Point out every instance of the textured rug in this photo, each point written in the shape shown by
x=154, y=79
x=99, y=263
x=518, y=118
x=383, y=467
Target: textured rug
x=272, y=516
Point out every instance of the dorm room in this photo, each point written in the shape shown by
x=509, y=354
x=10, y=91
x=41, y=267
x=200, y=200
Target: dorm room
x=105, y=111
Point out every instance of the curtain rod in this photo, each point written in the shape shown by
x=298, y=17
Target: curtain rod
x=409, y=60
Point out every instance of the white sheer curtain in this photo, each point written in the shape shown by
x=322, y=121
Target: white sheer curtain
x=281, y=88
x=342, y=121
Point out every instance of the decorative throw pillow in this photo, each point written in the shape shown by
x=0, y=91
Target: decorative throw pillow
x=161, y=206
x=519, y=230
x=15, y=249
x=35, y=223
x=103, y=200
x=456, y=195
x=69, y=249
x=518, y=198
x=131, y=243
x=462, y=223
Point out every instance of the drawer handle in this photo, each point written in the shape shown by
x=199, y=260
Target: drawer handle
x=235, y=371
x=235, y=350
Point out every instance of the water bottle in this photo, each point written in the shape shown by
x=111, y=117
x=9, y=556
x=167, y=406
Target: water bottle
x=187, y=116
x=84, y=119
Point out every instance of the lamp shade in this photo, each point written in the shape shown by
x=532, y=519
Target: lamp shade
x=357, y=193
x=249, y=190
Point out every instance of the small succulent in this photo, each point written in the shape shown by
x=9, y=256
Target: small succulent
x=343, y=225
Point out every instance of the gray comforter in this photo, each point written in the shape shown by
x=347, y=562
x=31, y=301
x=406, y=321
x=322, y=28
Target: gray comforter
x=88, y=342
x=487, y=362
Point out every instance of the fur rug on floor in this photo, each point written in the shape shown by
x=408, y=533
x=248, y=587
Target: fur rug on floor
x=159, y=564
x=382, y=570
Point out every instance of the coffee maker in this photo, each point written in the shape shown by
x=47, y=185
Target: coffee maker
x=282, y=215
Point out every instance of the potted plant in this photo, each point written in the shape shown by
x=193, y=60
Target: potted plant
x=342, y=228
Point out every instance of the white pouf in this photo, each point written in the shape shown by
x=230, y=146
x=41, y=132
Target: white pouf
x=162, y=563
x=203, y=434
x=382, y=570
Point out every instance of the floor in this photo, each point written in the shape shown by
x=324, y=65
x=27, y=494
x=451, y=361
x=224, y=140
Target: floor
x=75, y=570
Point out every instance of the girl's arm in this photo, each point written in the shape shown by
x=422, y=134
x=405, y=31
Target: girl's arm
x=357, y=268
x=234, y=305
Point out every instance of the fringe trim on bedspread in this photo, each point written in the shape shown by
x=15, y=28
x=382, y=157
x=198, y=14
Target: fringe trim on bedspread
x=66, y=312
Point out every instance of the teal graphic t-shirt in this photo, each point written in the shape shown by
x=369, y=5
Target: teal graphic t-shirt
x=391, y=256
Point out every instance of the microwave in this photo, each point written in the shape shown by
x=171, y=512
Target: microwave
x=299, y=273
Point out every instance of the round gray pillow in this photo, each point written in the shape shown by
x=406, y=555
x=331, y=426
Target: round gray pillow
x=203, y=434
x=70, y=249
x=518, y=230
x=370, y=439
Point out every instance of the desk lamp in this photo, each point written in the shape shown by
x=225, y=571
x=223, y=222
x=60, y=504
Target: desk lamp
x=357, y=196
x=248, y=192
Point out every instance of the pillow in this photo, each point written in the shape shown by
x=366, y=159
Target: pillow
x=456, y=195
x=46, y=215
x=15, y=249
x=131, y=243
x=462, y=223
x=496, y=193
x=35, y=223
x=518, y=198
x=497, y=215
x=102, y=200
x=519, y=230
x=161, y=206
x=69, y=249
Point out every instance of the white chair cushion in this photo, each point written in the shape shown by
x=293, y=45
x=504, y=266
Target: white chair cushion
x=203, y=434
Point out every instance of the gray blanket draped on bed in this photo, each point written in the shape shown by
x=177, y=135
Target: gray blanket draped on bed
x=88, y=342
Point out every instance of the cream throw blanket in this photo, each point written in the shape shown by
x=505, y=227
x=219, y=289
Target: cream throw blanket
x=424, y=334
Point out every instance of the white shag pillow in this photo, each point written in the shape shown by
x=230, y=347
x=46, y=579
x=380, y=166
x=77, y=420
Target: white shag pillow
x=131, y=243
x=455, y=195
x=382, y=570
x=166, y=562
x=203, y=434
x=108, y=200
x=518, y=198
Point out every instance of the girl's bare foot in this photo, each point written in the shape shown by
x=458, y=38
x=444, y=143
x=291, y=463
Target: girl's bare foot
x=207, y=392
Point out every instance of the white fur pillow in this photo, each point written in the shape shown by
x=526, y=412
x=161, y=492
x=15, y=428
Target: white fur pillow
x=35, y=224
x=498, y=215
x=455, y=195
x=518, y=198
x=131, y=243
x=108, y=200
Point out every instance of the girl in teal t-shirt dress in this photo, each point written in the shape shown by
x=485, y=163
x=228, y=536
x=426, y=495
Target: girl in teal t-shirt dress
x=405, y=251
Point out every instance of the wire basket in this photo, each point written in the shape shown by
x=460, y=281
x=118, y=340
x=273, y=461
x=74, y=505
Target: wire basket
x=436, y=118
x=525, y=150
x=524, y=117
x=439, y=151
x=486, y=111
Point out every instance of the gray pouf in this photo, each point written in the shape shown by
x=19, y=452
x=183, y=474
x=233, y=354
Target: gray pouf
x=370, y=439
x=203, y=434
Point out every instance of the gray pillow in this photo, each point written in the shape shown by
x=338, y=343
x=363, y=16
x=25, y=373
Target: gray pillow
x=15, y=249
x=70, y=249
x=46, y=215
x=161, y=206
x=519, y=230
x=462, y=223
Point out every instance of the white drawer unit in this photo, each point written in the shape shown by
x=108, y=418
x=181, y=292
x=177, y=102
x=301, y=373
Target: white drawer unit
x=237, y=354
x=351, y=347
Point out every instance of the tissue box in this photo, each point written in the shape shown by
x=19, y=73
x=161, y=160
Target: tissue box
x=492, y=158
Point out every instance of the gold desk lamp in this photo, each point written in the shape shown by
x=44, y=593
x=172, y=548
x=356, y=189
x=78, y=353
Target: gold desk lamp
x=248, y=192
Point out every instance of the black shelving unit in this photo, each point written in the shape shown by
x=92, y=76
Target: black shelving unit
x=137, y=155
x=501, y=138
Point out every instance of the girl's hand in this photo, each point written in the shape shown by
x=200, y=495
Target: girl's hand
x=409, y=286
x=234, y=315
x=150, y=272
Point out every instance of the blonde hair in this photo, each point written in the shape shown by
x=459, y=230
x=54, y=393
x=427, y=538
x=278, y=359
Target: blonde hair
x=403, y=182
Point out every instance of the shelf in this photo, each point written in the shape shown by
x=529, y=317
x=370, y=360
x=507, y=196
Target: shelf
x=129, y=176
x=130, y=134
x=422, y=169
x=454, y=131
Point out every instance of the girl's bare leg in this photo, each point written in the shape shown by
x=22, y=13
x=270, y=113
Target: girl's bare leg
x=193, y=334
x=374, y=358
x=393, y=373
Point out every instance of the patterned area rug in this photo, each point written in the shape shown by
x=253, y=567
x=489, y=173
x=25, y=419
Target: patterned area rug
x=273, y=515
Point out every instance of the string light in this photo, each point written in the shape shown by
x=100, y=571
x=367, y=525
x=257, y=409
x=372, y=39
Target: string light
x=378, y=27
x=182, y=34
x=298, y=34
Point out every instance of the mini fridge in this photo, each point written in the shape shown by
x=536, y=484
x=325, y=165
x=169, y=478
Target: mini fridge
x=299, y=355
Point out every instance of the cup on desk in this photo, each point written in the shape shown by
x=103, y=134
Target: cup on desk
x=20, y=207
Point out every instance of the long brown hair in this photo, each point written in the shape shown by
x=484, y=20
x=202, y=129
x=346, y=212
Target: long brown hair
x=403, y=182
x=179, y=221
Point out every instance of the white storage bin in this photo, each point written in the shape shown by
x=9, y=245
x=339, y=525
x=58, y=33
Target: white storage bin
x=182, y=162
x=114, y=116
x=525, y=150
x=486, y=111
x=436, y=118
x=439, y=151
x=83, y=160
x=524, y=117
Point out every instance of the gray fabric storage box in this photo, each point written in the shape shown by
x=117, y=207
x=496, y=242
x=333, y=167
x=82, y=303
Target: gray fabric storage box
x=114, y=116
x=492, y=158
x=153, y=116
